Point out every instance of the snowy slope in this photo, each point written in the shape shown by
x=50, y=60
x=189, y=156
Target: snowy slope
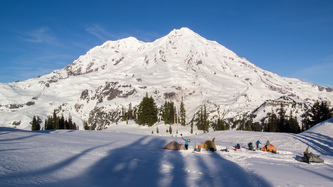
x=179, y=65
x=128, y=155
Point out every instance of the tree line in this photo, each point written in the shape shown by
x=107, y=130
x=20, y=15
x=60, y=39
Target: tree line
x=147, y=112
x=281, y=122
x=53, y=122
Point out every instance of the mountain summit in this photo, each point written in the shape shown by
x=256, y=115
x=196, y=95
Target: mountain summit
x=180, y=65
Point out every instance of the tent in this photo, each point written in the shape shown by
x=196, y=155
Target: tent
x=272, y=149
x=209, y=145
x=174, y=146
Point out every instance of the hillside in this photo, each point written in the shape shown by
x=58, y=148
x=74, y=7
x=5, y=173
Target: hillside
x=179, y=65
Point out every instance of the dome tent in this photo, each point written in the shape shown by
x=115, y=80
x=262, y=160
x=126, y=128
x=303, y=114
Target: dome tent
x=271, y=148
x=174, y=146
x=210, y=145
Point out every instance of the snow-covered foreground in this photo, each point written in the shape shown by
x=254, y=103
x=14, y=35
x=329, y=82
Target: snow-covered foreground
x=130, y=156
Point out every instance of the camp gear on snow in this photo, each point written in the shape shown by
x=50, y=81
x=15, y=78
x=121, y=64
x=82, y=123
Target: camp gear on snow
x=197, y=148
x=174, y=146
x=310, y=157
x=269, y=148
x=250, y=146
x=209, y=145
x=237, y=147
x=225, y=150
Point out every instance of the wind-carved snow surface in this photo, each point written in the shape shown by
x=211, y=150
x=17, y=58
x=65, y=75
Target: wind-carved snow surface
x=129, y=155
x=179, y=65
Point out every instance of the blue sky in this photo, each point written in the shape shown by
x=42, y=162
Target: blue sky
x=287, y=37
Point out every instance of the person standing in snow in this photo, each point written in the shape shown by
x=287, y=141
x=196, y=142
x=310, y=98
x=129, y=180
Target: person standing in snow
x=268, y=145
x=186, y=143
x=257, y=143
x=307, y=156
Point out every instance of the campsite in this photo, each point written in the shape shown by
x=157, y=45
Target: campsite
x=130, y=155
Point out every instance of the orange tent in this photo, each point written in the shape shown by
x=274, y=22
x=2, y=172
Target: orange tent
x=272, y=148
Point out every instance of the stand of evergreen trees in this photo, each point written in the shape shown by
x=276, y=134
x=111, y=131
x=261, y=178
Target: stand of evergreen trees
x=203, y=122
x=56, y=122
x=319, y=112
x=53, y=122
x=280, y=122
x=147, y=112
x=35, y=123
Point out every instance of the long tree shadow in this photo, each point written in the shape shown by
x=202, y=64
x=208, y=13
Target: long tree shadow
x=137, y=164
x=321, y=143
x=323, y=138
x=226, y=173
x=22, y=136
x=35, y=175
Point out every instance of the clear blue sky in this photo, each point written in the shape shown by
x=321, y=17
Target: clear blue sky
x=287, y=37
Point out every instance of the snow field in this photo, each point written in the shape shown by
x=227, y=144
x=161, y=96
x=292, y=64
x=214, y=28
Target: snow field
x=128, y=155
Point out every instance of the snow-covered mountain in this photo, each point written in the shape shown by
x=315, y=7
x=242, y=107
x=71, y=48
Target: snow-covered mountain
x=182, y=64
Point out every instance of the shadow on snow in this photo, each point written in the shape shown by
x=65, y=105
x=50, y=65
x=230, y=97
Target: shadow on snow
x=321, y=143
x=142, y=163
x=226, y=173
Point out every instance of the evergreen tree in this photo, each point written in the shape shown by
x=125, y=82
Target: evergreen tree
x=282, y=120
x=123, y=114
x=191, y=127
x=86, y=126
x=147, y=112
x=203, y=123
x=182, y=113
x=293, y=124
x=168, y=113
x=35, y=124
x=49, y=123
x=206, y=122
x=62, y=122
x=248, y=125
x=256, y=126
x=200, y=120
x=272, y=124
x=220, y=125
x=55, y=120
x=130, y=112
x=319, y=112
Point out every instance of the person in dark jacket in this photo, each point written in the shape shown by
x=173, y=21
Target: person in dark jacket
x=257, y=144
